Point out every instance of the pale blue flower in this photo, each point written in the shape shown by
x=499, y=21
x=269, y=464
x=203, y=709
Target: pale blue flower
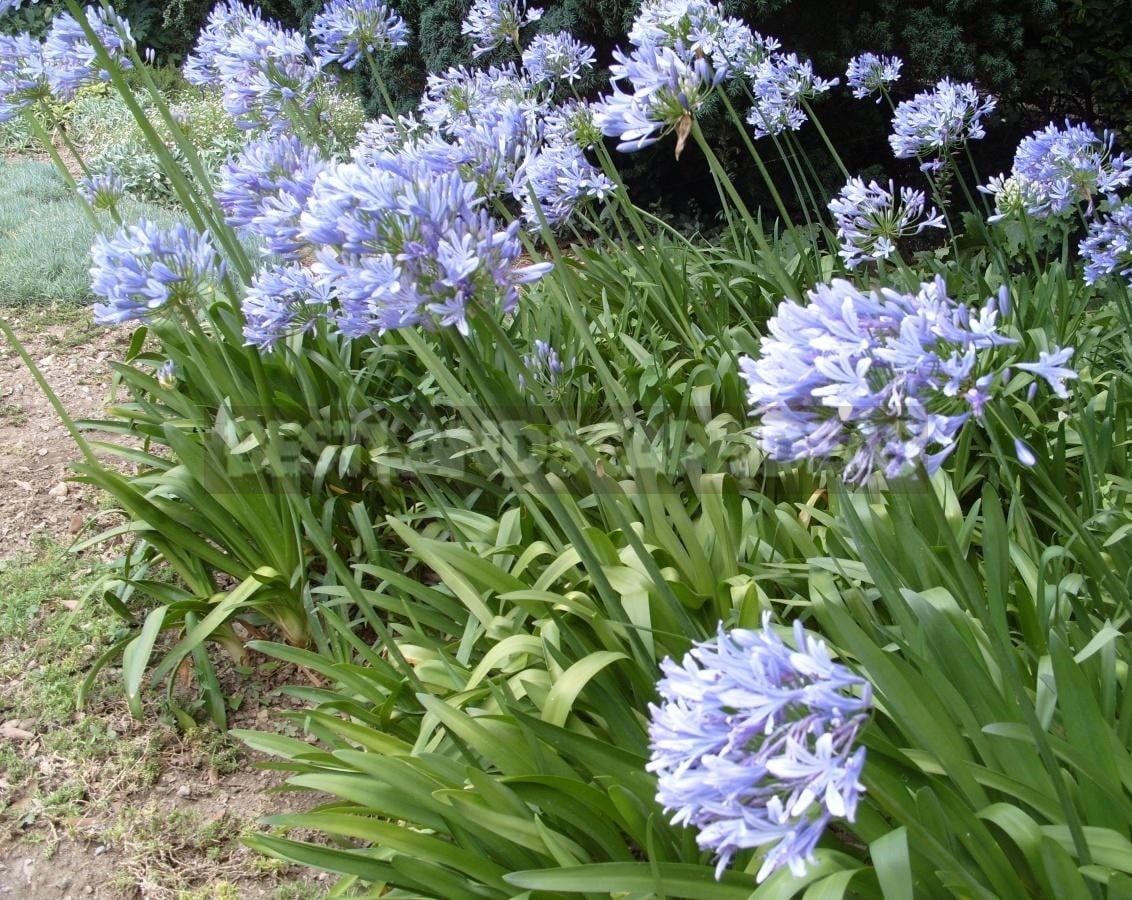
x=401, y=242
x=753, y=744
x=23, y=74
x=144, y=268
x=345, y=30
x=559, y=177
x=1107, y=247
x=883, y=380
x=1057, y=169
x=282, y=300
x=264, y=188
x=493, y=22
x=780, y=83
x=1051, y=368
x=667, y=91
x=872, y=74
x=70, y=57
x=102, y=190
x=557, y=57
x=935, y=122
x=871, y=219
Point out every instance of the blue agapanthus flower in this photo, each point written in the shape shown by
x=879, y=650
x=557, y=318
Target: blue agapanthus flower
x=1057, y=169
x=544, y=365
x=493, y=22
x=226, y=20
x=345, y=30
x=666, y=92
x=23, y=74
x=935, y=122
x=282, y=300
x=1107, y=247
x=103, y=190
x=266, y=73
x=882, y=380
x=698, y=28
x=70, y=56
x=780, y=83
x=264, y=188
x=7, y=6
x=554, y=180
x=870, y=219
x=870, y=74
x=753, y=744
x=403, y=242
x=557, y=57
x=144, y=268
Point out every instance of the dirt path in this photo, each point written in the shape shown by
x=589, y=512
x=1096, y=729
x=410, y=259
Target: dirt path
x=35, y=448
x=92, y=802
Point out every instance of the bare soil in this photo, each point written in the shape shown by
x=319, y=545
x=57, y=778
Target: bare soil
x=150, y=813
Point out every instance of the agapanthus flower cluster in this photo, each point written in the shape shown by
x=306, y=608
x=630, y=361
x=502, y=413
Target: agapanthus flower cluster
x=544, y=365
x=103, y=190
x=70, y=57
x=666, y=92
x=386, y=134
x=571, y=123
x=1107, y=247
x=265, y=187
x=883, y=380
x=144, y=268
x=780, y=83
x=493, y=22
x=7, y=6
x=697, y=29
x=263, y=70
x=870, y=219
x=456, y=98
x=401, y=243
x=1057, y=169
x=557, y=57
x=282, y=299
x=937, y=121
x=226, y=20
x=753, y=744
x=870, y=74
x=344, y=31
x=23, y=74
x=554, y=180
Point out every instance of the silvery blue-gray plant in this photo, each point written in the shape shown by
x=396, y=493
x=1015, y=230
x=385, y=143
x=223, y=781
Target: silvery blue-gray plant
x=143, y=268
x=491, y=23
x=344, y=31
x=1056, y=170
x=935, y=122
x=882, y=380
x=1107, y=247
x=870, y=219
x=753, y=744
x=870, y=74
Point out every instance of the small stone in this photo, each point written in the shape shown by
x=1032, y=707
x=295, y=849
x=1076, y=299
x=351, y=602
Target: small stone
x=60, y=490
x=42, y=451
x=99, y=850
x=184, y=791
